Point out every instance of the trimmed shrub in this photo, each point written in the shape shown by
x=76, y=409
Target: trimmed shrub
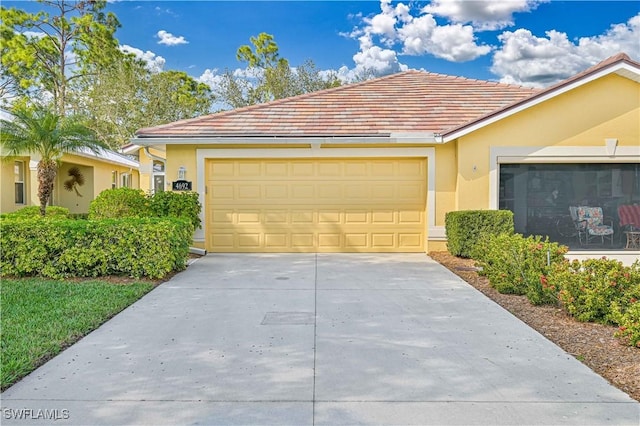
x=177, y=204
x=465, y=228
x=517, y=265
x=135, y=247
x=55, y=212
x=590, y=289
x=125, y=202
x=120, y=203
x=629, y=322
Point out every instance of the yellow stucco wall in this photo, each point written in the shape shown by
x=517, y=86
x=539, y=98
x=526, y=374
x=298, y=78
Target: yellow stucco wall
x=97, y=176
x=606, y=108
x=446, y=178
x=7, y=184
x=182, y=156
x=101, y=180
x=146, y=168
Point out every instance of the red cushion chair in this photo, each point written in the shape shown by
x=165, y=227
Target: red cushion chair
x=629, y=216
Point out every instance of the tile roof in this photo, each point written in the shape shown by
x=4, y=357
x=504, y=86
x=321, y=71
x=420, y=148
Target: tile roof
x=407, y=102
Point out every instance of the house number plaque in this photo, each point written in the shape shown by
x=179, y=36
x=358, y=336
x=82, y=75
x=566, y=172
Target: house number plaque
x=181, y=185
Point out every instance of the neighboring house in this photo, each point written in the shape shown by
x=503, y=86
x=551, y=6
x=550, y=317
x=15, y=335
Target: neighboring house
x=375, y=166
x=152, y=165
x=85, y=175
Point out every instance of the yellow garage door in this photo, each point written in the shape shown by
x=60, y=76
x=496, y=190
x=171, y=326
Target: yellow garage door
x=316, y=205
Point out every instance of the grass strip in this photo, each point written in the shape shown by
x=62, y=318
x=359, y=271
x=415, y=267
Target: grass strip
x=39, y=318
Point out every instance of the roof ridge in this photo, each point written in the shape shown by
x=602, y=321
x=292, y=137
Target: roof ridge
x=478, y=80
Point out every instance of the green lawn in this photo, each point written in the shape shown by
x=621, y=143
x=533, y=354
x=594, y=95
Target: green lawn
x=40, y=318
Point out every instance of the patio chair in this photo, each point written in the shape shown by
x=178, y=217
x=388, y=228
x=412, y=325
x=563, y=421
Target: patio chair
x=592, y=219
x=580, y=226
x=629, y=217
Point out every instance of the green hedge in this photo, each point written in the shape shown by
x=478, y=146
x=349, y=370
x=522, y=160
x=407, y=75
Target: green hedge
x=120, y=203
x=135, y=247
x=591, y=289
x=125, y=202
x=517, y=265
x=465, y=228
x=597, y=290
x=54, y=212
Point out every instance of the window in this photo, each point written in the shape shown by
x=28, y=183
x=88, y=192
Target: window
x=158, y=183
x=158, y=176
x=114, y=179
x=158, y=166
x=126, y=180
x=19, y=181
x=539, y=195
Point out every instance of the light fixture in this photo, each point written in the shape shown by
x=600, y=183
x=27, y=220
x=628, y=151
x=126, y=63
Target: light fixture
x=182, y=172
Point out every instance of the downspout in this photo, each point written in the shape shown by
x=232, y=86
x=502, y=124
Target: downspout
x=154, y=157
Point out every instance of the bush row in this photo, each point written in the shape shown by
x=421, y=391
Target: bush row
x=127, y=202
x=135, y=247
x=51, y=212
x=596, y=290
x=514, y=264
x=465, y=228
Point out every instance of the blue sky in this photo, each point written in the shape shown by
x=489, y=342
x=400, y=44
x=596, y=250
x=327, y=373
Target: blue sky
x=528, y=42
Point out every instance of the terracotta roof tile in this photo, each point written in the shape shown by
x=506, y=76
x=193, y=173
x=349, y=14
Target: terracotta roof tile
x=408, y=102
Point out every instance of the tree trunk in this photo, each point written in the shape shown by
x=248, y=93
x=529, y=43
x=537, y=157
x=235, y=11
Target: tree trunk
x=47, y=170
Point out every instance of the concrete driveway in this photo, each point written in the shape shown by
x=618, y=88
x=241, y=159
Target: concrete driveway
x=307, y=339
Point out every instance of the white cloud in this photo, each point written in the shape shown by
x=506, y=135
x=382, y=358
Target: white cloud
x=372, y=58
x=482, y=14
x=210, y=77
x=535, y=61
x=34, y=34
x=169, y=39
x=154, y=62
x=418, y=35
x=454, y=43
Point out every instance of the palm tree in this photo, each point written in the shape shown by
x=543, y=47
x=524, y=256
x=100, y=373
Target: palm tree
x=41, y=131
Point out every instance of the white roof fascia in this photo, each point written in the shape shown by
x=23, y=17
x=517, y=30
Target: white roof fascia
x=108, y=157
x=130, y=149
x=623, y=69
x=267, y=140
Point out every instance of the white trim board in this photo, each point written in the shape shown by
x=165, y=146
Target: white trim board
x=293, y=153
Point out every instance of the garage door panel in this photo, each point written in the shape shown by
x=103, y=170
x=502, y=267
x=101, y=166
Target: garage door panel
x=330, y=169
x=249, y=192
x=333, y=205
x=276, y=191
x=249, y=240
x=302, y=240
x=355, y=168
x=250, y=168
x=383, y=217
x=303, y=191
x=302, y=168
x=329, y=241
x=221, y=170
x=383, y=240
x=276, y=240
x=276, y=216
x=222, y=217
x=276, y=169
x=410, y=217
x=329, y=216
x=222, y=192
